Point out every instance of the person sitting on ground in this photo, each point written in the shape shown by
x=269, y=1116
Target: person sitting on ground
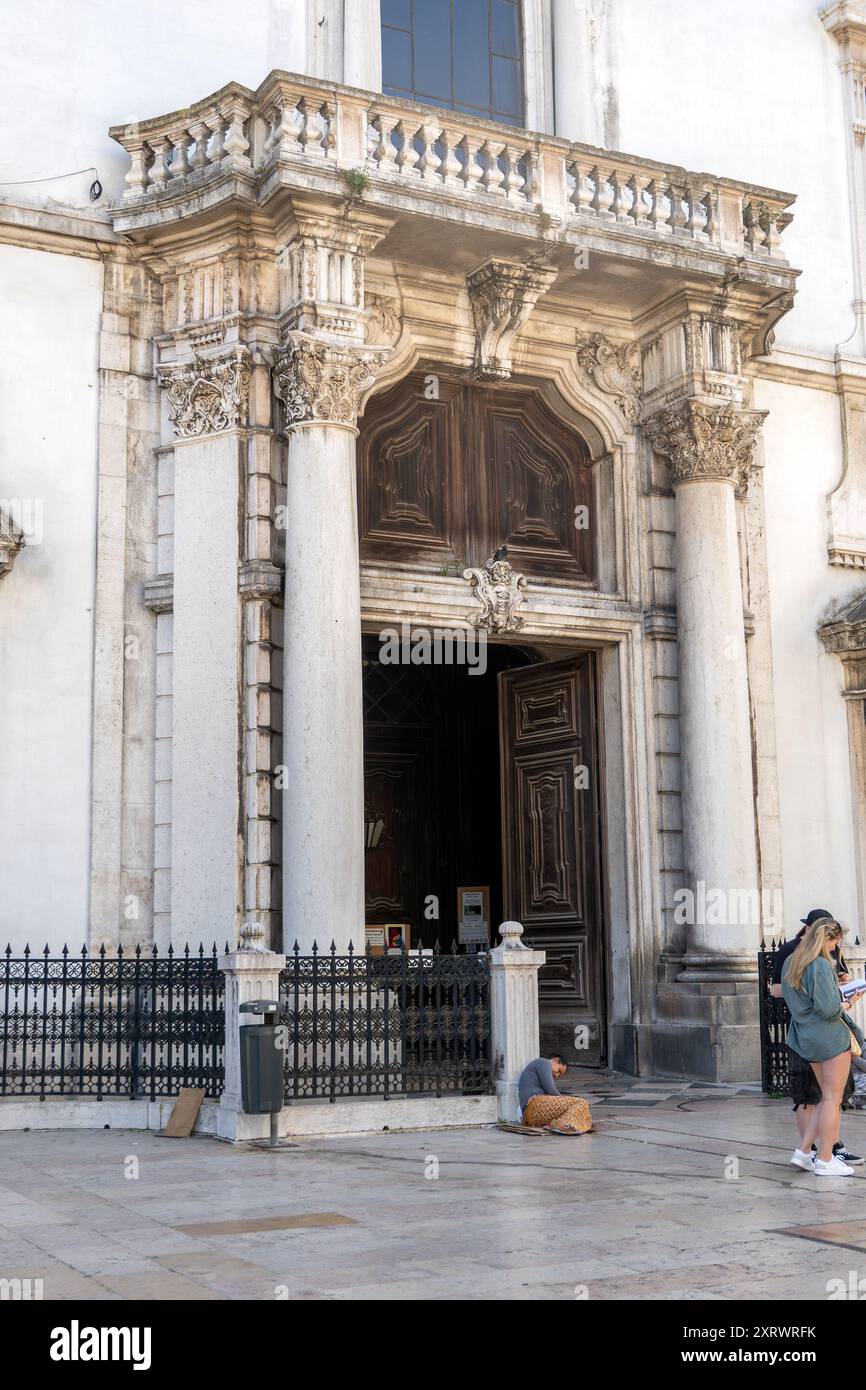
x=542, y=1103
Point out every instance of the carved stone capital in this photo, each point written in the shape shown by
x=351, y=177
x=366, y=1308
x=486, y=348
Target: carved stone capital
x=706, y=441
x=323, y=382
x=502, y=297
x=614, y=368
x=209, y=394
x=11, y=541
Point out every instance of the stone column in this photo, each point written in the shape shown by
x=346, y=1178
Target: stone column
x=513, y=1014
x=208, y=404
x=251, y=973
x=321, y=385
x=710, y=449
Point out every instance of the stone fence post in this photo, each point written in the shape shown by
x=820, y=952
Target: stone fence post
x=514, y=1013
x=253, y=972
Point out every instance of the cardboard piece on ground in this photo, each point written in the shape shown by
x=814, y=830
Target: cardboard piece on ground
x=522, y=1129
x=181, y=1121
x=535, y=1129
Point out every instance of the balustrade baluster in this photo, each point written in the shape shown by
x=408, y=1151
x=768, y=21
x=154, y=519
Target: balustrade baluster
x=384, y=154
x=159, y=168
x=514, y=180
x=450, y=167
x=676, y=219
x=136, y=175
x=179, y=166
x=407, y=155
x=429, y=162
x=492, y=178
x=236, y=142
x=472, y=171
x=200, y=135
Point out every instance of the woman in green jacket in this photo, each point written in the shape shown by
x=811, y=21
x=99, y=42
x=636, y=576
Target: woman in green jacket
x=819, y=1033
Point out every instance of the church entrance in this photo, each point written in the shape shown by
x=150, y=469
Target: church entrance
x=482, y=804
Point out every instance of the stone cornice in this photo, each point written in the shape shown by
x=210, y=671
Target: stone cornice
x=502, y=296
x=321, y=382
x=210, y=394
x=706, y=441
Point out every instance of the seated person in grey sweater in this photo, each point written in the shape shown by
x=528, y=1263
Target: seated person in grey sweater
x=543, y=1105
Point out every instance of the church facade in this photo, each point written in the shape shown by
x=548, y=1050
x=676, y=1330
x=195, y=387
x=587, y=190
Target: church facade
x=417, y=513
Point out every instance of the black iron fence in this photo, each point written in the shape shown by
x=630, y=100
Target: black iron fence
x=773, y=1014
x=135, y=1024
x=370, y=1025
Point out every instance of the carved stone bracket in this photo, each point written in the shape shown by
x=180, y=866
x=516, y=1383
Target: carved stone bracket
x=209, y=394
x=706, y=441
x=502, y=296
x=320, y=381
x=11, y=541
x=499, y=590
x=614, y=368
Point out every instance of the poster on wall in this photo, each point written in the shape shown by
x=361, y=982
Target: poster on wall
x=473, y=916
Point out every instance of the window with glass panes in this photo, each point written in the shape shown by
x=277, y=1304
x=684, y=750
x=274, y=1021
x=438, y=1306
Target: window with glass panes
x=465, y=54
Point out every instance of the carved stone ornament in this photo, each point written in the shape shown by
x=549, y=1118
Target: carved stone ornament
x=321, y=381
x=844, y=631
x=502, y=297
x=499, y=590
x=706, y=441
x=11, y=541
x=384, y=320
x=209, y=394
x=614, y=368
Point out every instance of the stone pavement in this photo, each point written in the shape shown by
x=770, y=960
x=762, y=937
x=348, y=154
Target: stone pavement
x=690, y=1197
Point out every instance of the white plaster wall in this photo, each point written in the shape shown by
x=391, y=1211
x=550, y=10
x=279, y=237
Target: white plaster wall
x=747, y=91
x=69, y=69
x=48, y=346
x=803, y=453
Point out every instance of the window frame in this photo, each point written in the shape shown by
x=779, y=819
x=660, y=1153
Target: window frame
x=536, y=69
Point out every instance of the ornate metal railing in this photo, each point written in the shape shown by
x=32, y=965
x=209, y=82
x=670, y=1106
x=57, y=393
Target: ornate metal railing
x=404, y=1024
x=773, y=1015
x=135, y=1024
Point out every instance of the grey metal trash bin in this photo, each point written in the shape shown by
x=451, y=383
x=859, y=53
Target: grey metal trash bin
x=262, y=1054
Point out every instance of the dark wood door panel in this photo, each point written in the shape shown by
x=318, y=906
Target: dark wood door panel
x=548, y=838
x=410, y=484
x=448, y=480
x=551, y=839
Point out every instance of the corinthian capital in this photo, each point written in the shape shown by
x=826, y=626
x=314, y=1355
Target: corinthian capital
x=502, y=296
x=323, y=381
x=209, y=394
x=706, y=441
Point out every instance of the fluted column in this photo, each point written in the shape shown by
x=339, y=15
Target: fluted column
x=710, y=450
x=321, y=385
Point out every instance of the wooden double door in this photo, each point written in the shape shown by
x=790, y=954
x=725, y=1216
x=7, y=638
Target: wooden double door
x=552, y=845
x=528, y=729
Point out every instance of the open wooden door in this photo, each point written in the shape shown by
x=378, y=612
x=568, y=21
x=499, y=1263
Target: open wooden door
x=551, y=845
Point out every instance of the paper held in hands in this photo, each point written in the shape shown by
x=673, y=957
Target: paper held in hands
x=852, y=989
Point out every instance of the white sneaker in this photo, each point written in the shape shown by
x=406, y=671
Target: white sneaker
x=802, y=1160
x=835, y=1168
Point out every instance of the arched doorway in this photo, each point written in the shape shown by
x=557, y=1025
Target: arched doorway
x=484, y=779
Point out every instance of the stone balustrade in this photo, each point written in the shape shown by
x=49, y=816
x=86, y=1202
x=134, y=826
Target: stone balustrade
x=293, y=122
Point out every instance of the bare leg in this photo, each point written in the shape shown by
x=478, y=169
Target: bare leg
x=804, y=1117
x=829, y=1112
x=809, y=1129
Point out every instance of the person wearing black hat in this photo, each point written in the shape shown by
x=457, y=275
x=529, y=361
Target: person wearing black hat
x=804, y=1089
